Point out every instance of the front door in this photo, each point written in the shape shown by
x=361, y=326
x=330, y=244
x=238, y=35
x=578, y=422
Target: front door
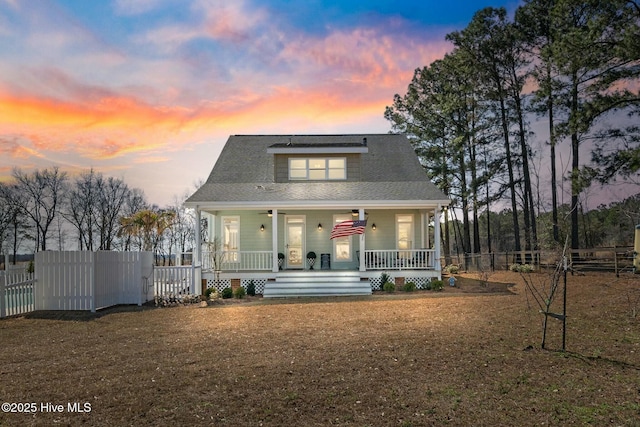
x=294, y=241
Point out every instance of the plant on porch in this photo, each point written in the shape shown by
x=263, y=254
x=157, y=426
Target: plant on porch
x=311, y=259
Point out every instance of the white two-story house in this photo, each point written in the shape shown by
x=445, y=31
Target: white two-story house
x=272, y=200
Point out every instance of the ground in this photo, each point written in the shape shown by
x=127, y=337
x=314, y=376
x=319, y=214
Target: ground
x=448, y=358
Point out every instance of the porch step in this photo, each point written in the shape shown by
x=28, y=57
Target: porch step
x=312, y=283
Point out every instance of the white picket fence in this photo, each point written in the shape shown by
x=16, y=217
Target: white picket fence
x=85, y=280
x=16, y=292
x=177, y=280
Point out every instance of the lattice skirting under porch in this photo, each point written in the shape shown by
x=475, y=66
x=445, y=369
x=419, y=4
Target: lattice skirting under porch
x=421, y=282
x=226, y=283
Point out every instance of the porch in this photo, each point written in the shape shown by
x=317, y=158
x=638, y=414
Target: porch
x=295, y=253
x=239, y=268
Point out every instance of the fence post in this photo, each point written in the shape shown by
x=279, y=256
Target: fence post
x=3, y=281
x=192, y=287
x=92, y=282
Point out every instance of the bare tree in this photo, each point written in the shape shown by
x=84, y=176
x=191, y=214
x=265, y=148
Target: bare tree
x=42, y=191
x=113, y=196
x=80, y=207
x=17, y=225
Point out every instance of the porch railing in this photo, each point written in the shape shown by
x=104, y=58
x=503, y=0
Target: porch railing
x=396, y=259
x=239, y=260
x=400, y=259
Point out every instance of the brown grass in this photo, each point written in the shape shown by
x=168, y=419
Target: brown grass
x=402, y=360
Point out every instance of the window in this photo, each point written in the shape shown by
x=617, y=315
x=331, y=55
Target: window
x=341, y=245
x=318, y=169
x=231, y=237
x=404, y=232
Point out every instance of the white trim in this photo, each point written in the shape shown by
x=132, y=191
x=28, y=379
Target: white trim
x=274, y=239
x=321, y=204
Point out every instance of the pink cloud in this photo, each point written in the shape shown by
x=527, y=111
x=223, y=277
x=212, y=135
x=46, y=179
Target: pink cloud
x=233, y=21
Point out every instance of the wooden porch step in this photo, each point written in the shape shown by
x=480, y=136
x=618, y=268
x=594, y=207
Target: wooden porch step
x=316, y=283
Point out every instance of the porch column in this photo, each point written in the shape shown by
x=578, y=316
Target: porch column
x=436, y=237
x=423, y=233
x=197, y=256
x=427, y=242
x=361, y=267
x=274, y=239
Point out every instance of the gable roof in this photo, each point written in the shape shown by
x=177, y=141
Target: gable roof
x=243, y=175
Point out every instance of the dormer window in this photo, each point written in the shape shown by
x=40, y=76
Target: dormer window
x=317, y=168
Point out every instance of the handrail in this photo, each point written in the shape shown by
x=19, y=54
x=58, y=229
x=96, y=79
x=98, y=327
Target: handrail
x=400, y=259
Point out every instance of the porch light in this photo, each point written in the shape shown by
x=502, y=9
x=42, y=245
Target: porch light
x=355, y=212
x=319, y=227
x=373, y=226
x=261, y=227
x=269, y=213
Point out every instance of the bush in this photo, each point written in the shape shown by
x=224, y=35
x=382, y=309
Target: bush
x=171, y=300
x=239, y=293
x=384, y=278
x=251, y=288
x=452, y=269
x=389, y=287
x=409, y=287
x=208, y=292
x=227, y=293
x=521, y=268
x=436, y=285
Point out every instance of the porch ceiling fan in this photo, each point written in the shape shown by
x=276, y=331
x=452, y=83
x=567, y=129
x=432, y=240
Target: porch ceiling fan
x=355, y=212
x=270, y=213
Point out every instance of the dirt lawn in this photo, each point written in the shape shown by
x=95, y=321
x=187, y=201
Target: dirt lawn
x=408, y=359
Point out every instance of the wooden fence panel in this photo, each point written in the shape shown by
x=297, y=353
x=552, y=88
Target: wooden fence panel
x=84, y=280
x=65, y=280
x=119, y=279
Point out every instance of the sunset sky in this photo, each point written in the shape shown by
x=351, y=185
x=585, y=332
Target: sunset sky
x=149, y=90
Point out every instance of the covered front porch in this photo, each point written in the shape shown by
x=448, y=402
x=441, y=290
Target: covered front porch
x=291, y=250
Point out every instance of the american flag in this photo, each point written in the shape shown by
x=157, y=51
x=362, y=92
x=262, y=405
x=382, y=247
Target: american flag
x=347, y=228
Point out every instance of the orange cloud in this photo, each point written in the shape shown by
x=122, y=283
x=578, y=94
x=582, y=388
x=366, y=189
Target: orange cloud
x=106, y=128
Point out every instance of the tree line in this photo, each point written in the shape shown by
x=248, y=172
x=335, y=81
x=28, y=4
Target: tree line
x=572, y=64
x=48, y=209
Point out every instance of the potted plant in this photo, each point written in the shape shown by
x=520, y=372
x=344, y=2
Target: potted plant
x=280, y=260
x=311, y=259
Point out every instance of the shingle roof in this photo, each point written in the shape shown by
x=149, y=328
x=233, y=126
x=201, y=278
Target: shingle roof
x=243, y=173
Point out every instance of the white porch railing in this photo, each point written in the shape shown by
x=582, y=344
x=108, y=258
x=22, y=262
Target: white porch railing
x=239, y=260
x=400, y=259
x=396, y=259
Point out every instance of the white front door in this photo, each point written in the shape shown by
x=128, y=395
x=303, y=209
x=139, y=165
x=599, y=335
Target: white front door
x=295, y=241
